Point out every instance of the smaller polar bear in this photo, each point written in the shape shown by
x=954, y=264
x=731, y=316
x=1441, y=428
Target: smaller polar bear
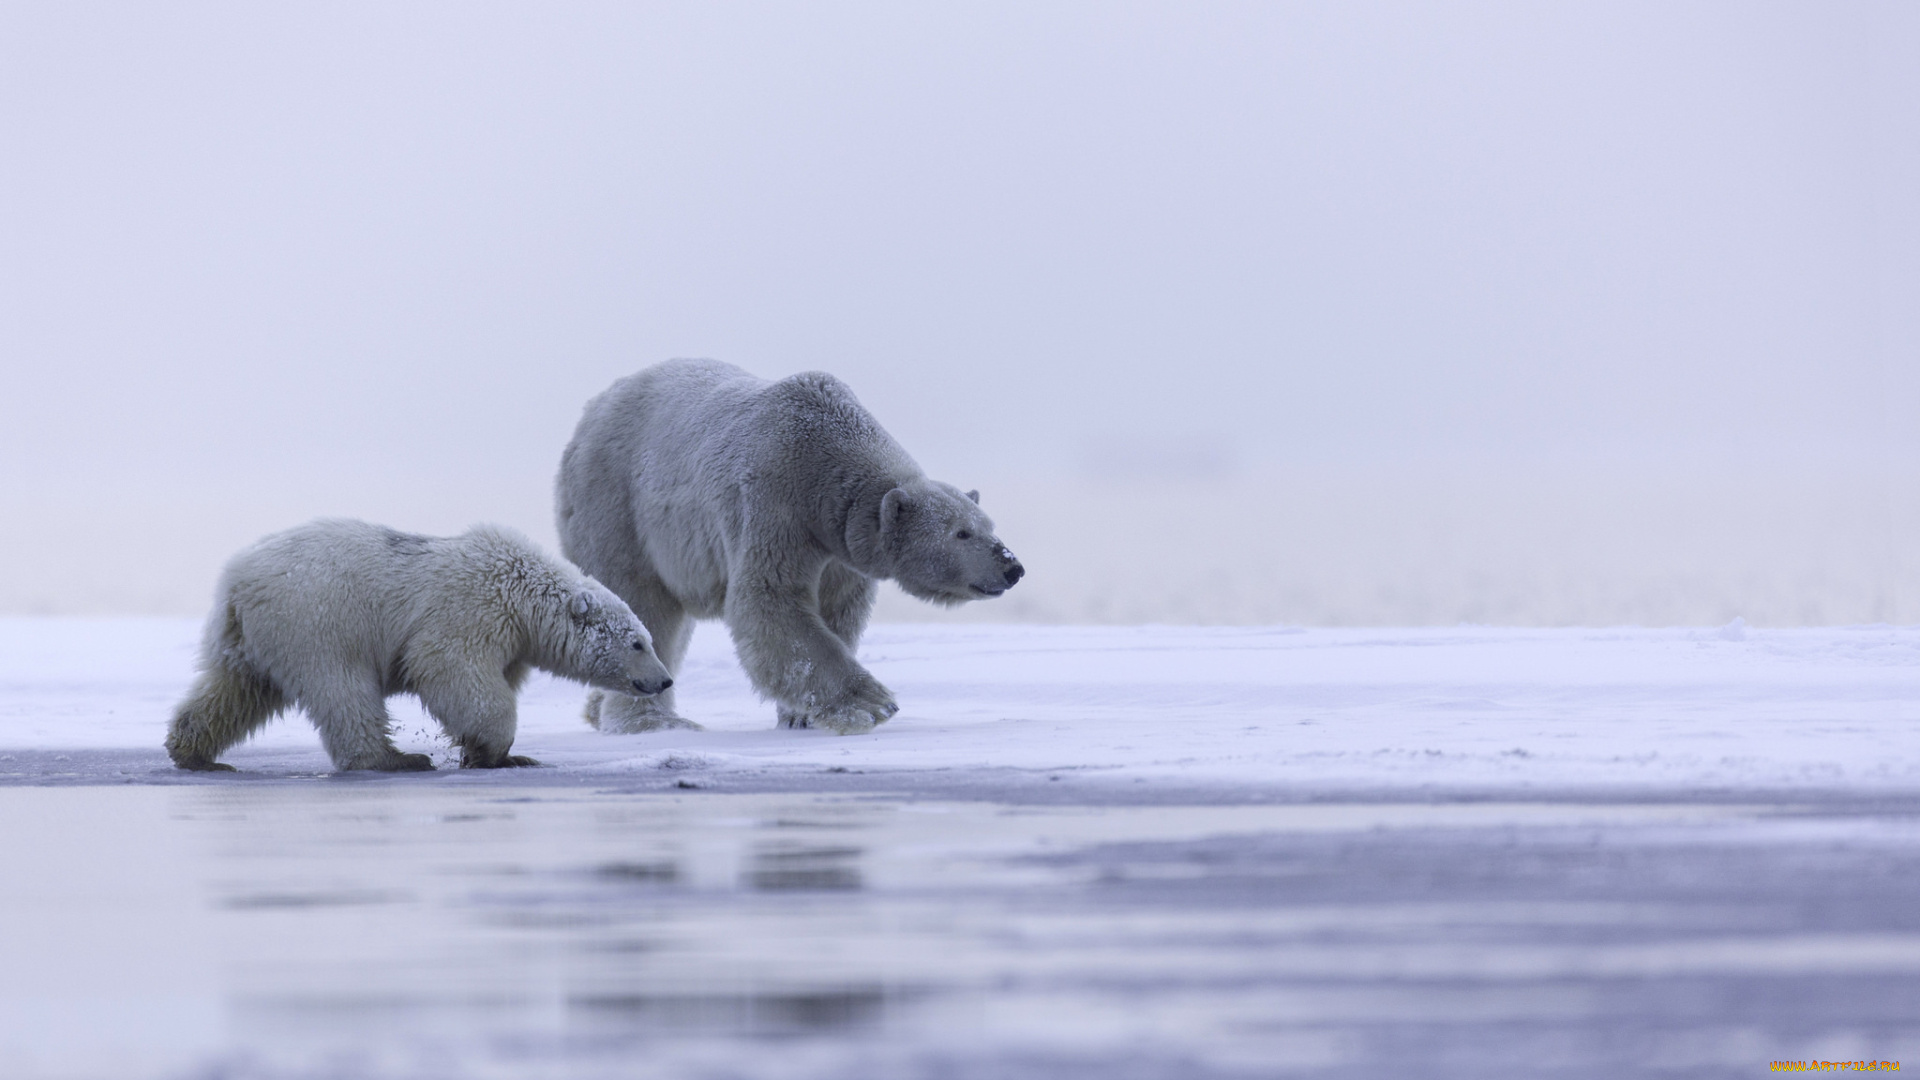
x=336, y=616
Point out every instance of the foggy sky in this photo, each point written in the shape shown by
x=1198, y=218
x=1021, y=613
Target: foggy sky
x=378, y=247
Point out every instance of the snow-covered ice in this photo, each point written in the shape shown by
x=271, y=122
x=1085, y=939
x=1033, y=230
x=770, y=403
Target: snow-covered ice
x=1235, y=709
x=1099, y=852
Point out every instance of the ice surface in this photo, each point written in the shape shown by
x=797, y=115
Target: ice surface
x=1238, y=708
x=1143, y=852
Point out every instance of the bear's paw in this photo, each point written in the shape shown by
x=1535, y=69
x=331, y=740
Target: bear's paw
x=865, y=706
x=394, y=761
x=620, y=714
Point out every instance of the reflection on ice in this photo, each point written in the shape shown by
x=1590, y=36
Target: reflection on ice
x=820, y=1010
x=393, y=931
x=312, y=899
x=777, y=868
x=653, y=872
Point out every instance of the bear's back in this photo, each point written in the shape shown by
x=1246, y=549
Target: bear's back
x=328, y=556
x=673, y=468
x=707, y=413
x=329, y=592
x=357, y=592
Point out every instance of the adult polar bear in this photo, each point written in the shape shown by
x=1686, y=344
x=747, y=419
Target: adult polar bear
x=694, y=490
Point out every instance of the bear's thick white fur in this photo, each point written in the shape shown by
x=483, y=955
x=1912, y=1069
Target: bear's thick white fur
x=696, y=491
x=336, y=616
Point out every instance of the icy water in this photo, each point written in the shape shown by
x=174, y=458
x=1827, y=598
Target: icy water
x=376, y=928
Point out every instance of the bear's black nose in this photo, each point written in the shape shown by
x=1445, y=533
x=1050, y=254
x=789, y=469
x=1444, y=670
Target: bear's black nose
x=665, y=684
x=1014, y=573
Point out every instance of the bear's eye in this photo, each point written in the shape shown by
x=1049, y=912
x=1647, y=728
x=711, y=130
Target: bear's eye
x=639, y=646
x=963, y=535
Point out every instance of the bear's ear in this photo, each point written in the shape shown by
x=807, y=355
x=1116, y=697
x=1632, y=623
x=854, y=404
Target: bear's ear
x=582, y=604
x=893, y=507
x=975, y=496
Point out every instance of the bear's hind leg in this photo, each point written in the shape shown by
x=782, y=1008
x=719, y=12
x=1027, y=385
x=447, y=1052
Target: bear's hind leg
x=226, y=706
x=626, y=714
x=357, y=731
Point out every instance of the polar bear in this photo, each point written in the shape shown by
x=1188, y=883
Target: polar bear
x=696, y=491
x=336, y=616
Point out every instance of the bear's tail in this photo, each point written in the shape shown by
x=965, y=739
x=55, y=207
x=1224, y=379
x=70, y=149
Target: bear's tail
x=592, y=713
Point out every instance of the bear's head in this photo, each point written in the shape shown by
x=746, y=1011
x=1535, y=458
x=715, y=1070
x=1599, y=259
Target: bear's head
x=611, y=650
x=941, y=547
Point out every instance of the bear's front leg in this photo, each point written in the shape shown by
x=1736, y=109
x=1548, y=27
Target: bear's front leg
x=793, y=658
x=862, y=707
x=849, y=718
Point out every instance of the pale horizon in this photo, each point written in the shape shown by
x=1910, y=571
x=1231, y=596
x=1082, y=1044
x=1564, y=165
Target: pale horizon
x=1415, y=293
